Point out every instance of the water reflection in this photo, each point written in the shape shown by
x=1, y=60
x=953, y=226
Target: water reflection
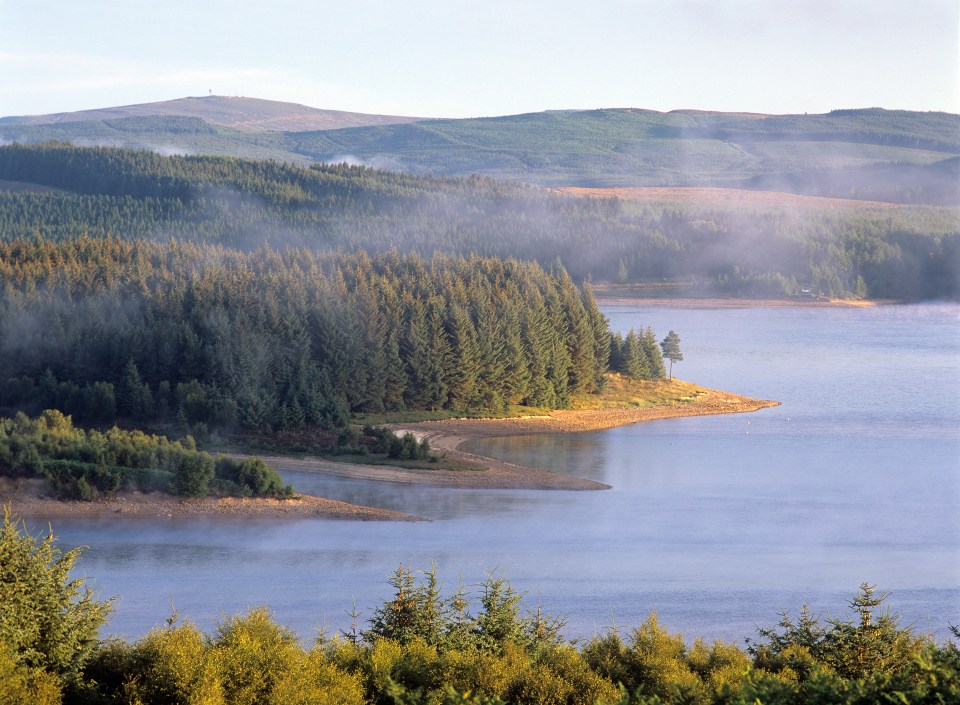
x=422, y=500
x=578, y=454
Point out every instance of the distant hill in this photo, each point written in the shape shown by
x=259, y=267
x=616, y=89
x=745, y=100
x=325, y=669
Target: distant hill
x=251, y=114
x=870, y=154
x=716, y=240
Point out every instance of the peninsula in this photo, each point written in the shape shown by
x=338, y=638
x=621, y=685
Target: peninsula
x=28, y=498
x=448, y=435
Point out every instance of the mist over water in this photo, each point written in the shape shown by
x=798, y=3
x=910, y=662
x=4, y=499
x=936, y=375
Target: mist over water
x=717, y=523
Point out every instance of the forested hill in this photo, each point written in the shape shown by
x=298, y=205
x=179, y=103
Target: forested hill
x=869, y=154
x=62, y=192
x=267, y=340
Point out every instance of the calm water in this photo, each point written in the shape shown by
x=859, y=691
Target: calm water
x=717, y=523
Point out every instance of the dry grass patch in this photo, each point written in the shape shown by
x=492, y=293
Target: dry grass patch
x=622, y=393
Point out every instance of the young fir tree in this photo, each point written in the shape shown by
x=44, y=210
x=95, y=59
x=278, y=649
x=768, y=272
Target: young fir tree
x=654, y=355
x=48, y=619
x=636, y=364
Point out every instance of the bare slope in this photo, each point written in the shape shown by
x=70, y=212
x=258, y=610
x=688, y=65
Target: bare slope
x=719, y=197
x=251, y=114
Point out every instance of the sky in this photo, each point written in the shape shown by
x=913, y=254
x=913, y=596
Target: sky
x=471, y=58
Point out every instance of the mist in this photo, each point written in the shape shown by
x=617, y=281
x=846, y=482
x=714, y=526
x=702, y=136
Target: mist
x=712, y=241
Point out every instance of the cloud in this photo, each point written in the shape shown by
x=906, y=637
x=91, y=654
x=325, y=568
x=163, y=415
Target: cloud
x=377, y=161
x=168, y=150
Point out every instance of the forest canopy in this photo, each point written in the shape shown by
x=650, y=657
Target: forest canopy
x=267, y=340
x=59, y=191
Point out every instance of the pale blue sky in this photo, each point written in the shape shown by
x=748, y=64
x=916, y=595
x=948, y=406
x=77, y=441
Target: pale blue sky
x=454, y=58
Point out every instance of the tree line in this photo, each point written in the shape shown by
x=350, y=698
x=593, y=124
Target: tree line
x=903, y=252
x=423, y=647
x=87, y=464
x=268, y=340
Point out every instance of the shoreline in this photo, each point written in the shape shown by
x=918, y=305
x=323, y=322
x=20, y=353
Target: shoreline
x=448, y=435
x=709, y=403
x=27, y=497
x=740, y=303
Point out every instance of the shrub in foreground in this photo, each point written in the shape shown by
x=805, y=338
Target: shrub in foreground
x=421, y=648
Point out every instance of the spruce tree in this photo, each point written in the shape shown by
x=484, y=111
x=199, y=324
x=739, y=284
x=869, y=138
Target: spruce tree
x=415, y=349
x=636, y=364
x=516, y=375
x=440, y=359
x=465, y=351
x=654, y=355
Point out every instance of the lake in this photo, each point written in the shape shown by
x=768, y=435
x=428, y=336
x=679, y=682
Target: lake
x=716, y=523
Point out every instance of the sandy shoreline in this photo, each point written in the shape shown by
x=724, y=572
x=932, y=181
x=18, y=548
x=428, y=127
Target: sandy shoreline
x=449, y=435
x=446, y=436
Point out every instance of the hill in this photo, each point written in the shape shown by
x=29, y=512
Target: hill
x=251, y=114
x=871, y=154
x=767, y=245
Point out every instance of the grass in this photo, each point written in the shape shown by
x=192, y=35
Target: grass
x=622, y=393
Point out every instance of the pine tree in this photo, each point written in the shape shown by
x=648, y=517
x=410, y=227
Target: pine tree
x=616, y=358
x=600, y=327
x=579, y=338
x=559, y=363
x=395, y=376
x=671, y=349
x=539, y=340
x=493, y=356
x=399, y=619
x=441, y=362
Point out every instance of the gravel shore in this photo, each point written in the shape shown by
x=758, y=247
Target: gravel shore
x=449, y=435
